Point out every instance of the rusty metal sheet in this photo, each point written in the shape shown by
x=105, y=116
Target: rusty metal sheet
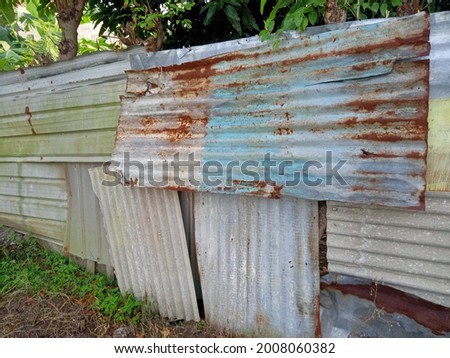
x=258, y=264
x=342, y=114
x=404, y=249
x=148, y=247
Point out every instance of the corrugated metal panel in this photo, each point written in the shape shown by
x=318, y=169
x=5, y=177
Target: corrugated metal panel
x=86, y=236
x=148, y=245
x=258, y=261
x=34, y=199
x=62, y=113
x=404, y=249
x=346, y=91
x=438, y=160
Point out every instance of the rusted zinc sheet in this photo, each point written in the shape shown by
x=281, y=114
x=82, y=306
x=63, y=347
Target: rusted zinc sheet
x=404, y=249
x=148, y=245
x=342, y=114
x=258, y=262
x=438, y=160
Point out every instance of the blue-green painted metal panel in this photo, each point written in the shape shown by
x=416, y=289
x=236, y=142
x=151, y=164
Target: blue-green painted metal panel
x=342, y=113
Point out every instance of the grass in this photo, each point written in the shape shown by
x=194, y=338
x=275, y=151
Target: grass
x=45, y=294
x=28, y=267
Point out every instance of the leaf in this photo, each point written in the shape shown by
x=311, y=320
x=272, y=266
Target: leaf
x=396, y=3
x=211, y=11
x=32, y=9
x=5, y=45
x=263, y=35
x=263, y=4
x=375, y=7
x=312, y=17
x=233, y=18
x=383, y=9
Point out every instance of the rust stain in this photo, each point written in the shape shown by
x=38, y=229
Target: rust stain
x=179, y=188
x=184, y=130
x=364, y=66
x=388, y=137
x=30, y=115
x=391, y=300
x=283, y=131
x=133, y=182
x=148, y=121
x=262, y=321
x=269, y=190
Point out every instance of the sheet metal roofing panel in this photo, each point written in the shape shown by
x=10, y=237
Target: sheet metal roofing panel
x=33, y=199
x=438, y=160
x=404, y=249
x=337, y=95
x=60, y=112
x=258, y=264
x=148, y=245
x=86, y=237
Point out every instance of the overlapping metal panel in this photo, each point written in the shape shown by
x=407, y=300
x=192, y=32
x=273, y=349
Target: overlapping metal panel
x=148, y=245
x=86, y=236
x=438, y=160
x=61, y=112
x=404, y=249
x=258, y=262
x=33, y=199
x=358, y=94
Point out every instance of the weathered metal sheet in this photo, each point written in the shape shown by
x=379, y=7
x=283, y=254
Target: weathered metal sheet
x=62, y=113
x=315, y=101
x=438, y=160
x=148, y=245
x=258, y=262
x=86, y=236
x=404, y=249
x=33, y=199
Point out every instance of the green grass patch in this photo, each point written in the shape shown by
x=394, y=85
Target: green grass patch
x=25, y=265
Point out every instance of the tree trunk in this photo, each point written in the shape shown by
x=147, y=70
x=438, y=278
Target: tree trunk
x=333, y=12
x=69, y=17
x=409, y=7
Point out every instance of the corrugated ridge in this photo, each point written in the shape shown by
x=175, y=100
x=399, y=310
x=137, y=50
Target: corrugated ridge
x=146, y=235
x=404, y=249
x=62, y=113
x=34, y=199
x=257, y=261
x=346, y=91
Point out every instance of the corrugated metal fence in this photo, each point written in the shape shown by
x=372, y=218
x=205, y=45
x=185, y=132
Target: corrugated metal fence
x=58, y=122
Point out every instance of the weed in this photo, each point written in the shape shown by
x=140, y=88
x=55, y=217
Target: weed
x=27, y=266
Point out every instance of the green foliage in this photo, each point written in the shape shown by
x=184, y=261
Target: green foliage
x=138, y=19
x=38, y=47
x=32, y=39
x=237, y=13
x=297, y=15
x=365, y=9
x=25, y=265
x=184, y=23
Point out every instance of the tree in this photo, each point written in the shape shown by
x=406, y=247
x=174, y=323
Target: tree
x=69, y=13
